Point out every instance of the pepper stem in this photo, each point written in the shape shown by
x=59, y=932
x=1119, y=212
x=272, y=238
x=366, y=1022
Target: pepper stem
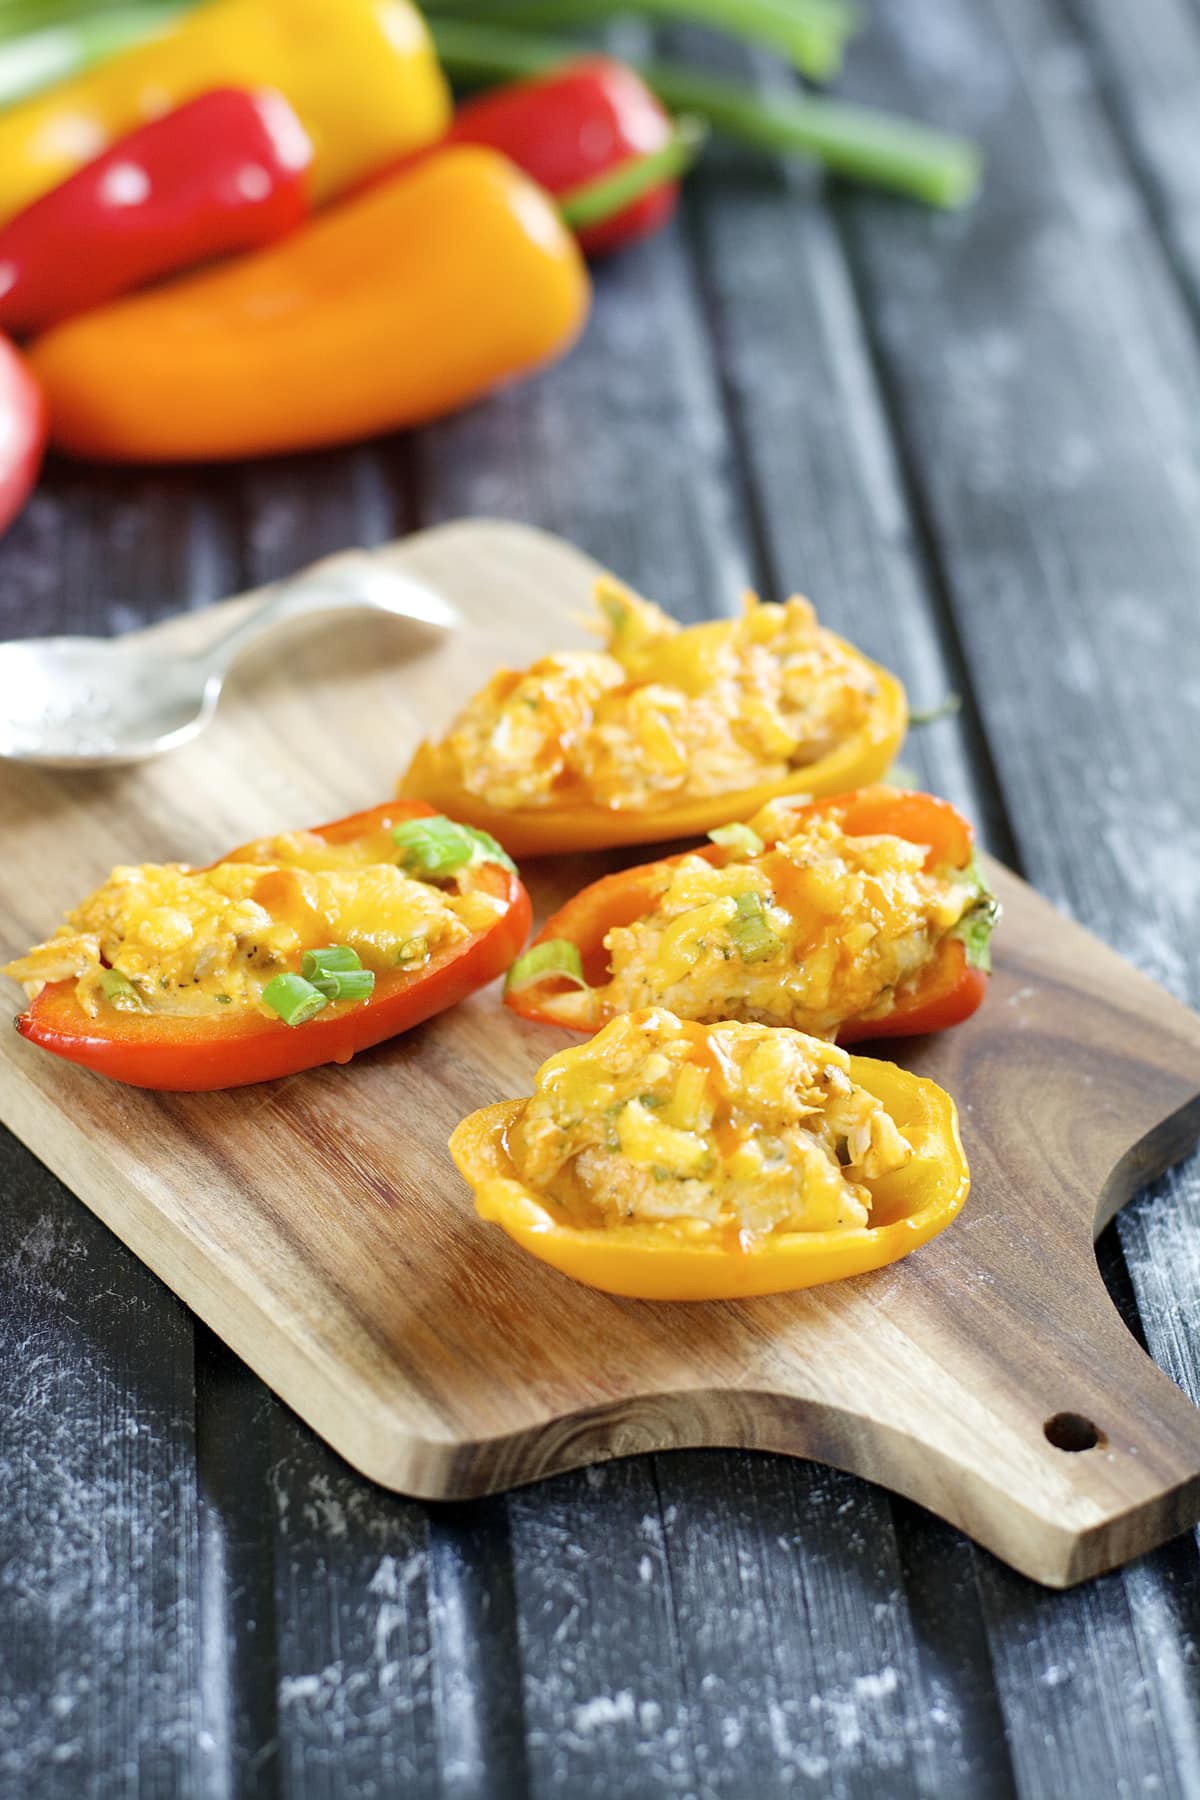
x=595, y=201
x=860, y=142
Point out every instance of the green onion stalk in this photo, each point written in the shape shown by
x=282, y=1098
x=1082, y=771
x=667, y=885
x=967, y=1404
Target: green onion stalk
x=591, y=202
x=42, y=42
x=810, y=34
x=863, y=143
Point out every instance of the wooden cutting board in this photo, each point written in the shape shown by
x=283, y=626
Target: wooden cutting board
x=318, y=1224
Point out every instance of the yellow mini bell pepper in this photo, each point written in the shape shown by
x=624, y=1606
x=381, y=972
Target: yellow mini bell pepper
x=571, y=816
x=570, y=828
x=688, y=1259
x=361, y=74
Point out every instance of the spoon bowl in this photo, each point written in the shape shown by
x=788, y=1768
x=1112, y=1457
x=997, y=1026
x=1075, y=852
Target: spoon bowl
x=100, y=703
x=72, y=702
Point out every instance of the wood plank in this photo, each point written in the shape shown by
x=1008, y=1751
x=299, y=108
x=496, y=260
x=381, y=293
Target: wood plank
x=480, y=1719
x=103, y=1535
x=356, y=1658
x=98, y=1534
x=236, y=1624
x=297, y=509
x=804, y=1667
x=606, y=1672
x=826, y=486
x=1043, y=380
x=102, y=551
x=1148, y=62
x=1060, y=1682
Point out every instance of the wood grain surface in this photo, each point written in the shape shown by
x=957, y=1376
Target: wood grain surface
x=318, y=1226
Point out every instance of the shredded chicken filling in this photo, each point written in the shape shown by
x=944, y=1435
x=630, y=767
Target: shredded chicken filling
x=664, y=711
x=735, y=1127
x=207, y=941
x=848, y=926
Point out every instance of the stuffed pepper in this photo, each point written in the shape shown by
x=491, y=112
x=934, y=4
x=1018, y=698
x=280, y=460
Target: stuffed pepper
x=862, y=916
x=667, y=1160
x=294, y=950
x=666, y=732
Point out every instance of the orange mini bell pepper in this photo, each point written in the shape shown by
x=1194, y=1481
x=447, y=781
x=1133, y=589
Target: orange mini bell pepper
x=361, y=74
x=944, y=992
x=391, y=309
x=197, y=1053
x=669, y=1259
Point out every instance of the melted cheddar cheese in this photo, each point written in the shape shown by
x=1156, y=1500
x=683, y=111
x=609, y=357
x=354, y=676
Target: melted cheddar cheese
x=742, y=1127
x=207, y=941
x=663, y=712
x=849, y=924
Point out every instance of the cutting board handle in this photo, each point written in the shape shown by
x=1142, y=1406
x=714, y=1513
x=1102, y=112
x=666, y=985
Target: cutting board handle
x=1028, y=1414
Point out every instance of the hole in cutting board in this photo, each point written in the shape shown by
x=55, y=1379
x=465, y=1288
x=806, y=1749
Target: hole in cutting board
x=1071, y=1431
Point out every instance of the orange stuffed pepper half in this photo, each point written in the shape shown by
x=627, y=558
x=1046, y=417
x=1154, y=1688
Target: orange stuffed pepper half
x=861, y=916
x=665, y=733
x=666, y=1160
x=294, y=950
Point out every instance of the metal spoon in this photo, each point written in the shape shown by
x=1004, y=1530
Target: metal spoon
x=98, y=703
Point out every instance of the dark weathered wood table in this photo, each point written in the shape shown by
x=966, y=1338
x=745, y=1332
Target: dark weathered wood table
x=975, y=441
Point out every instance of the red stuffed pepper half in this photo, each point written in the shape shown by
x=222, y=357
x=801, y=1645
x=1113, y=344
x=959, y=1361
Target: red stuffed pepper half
x=861, y=916
x=294, y=950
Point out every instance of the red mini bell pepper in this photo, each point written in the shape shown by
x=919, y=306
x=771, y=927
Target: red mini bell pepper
x=227, y=171
x=195, y=1054
x=23, y=428
x=571, y=126
x=950, y=987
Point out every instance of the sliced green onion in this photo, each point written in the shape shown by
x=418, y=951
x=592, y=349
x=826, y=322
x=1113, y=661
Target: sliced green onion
x=945, y=709
x=750, y=932
x=294, y=999
x=334, y=959
x=975, y=927
x=435, y=847
x=556, y=958
x=412, y=950
x=351, y=984
x=737, y=838
x=120, y=992
x=491, y=850
x=337, y=972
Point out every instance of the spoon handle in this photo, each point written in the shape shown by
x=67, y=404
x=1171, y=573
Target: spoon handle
x=351, y=581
